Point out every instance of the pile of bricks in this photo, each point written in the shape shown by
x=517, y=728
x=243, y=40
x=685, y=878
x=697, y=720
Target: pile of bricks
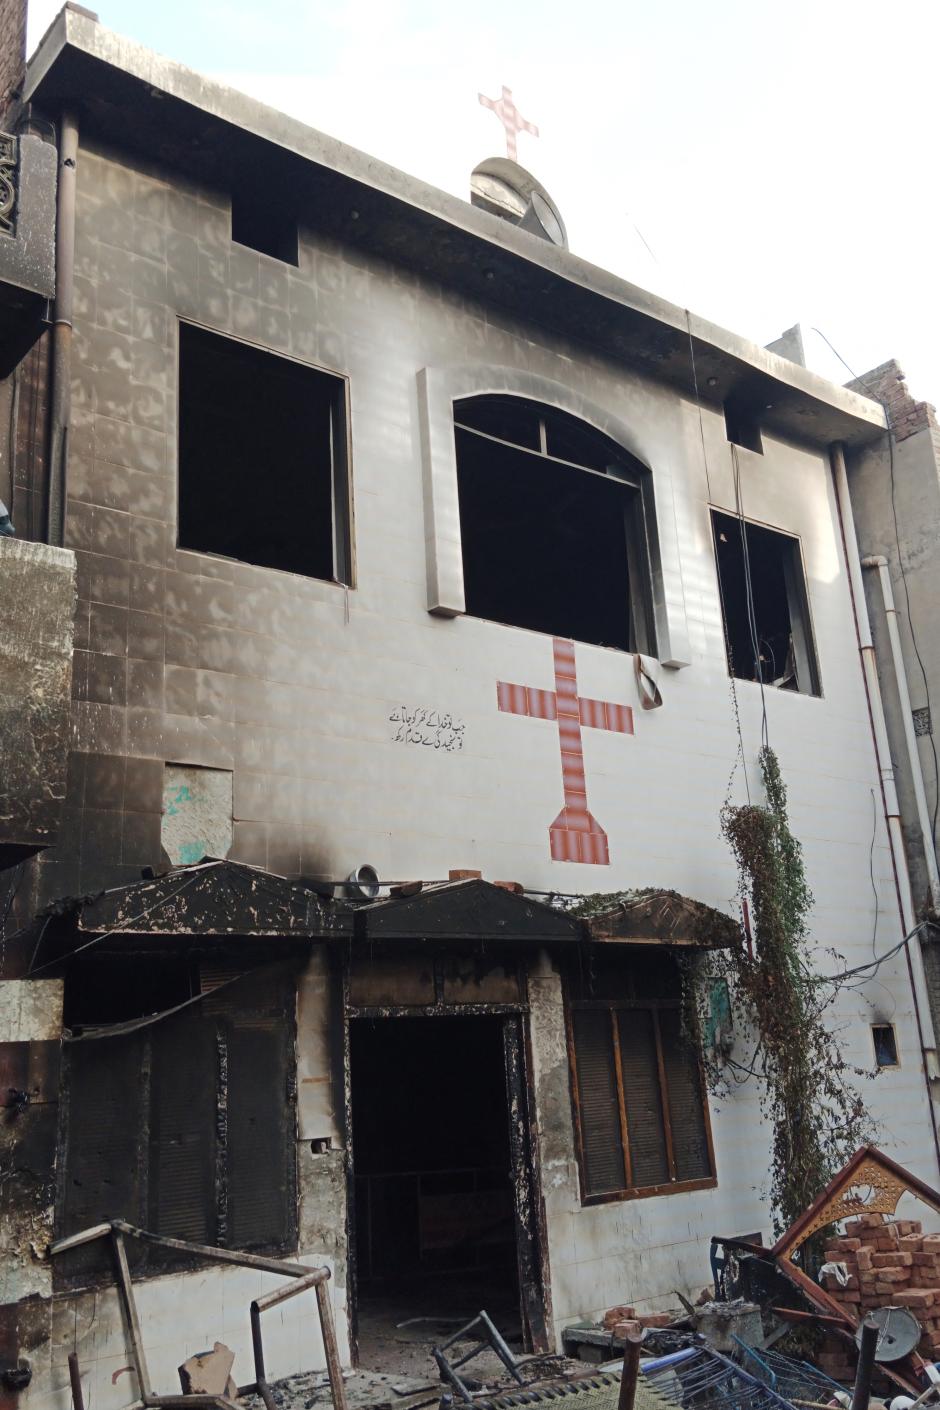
x=890, y=1263
x=622, y=1319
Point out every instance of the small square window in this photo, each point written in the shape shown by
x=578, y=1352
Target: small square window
x=742, y=426
x=262, y=458
x=886, y=1045
x=265, y=221
x=764, y=604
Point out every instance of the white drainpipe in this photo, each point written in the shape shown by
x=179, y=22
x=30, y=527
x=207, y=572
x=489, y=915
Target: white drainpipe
x=907, y=720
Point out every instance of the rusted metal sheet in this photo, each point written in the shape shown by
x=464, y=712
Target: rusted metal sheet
x=664, y=918
x=471, y=909
x=215, y=898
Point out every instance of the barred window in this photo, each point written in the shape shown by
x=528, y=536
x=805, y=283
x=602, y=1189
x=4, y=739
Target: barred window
x=641, y=1114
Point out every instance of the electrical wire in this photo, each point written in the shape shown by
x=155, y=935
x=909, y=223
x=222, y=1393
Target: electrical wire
x=739, y=757
x=872, y=966
x=907, y=596
x=871, y=868
x=118, y=930
x=749, y=593
x=698, y=402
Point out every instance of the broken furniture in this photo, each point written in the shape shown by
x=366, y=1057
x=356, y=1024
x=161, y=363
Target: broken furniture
x=698, y=1376
x=485, y=1336
x=870, y=1185
x=303, y=1278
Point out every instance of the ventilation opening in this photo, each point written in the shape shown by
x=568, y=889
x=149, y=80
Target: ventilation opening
x=264, y=221
x=262, y=458
x=742, y=425
x=552, y=524
x=435, y=1229
x=886, y=1044
x=768, y=633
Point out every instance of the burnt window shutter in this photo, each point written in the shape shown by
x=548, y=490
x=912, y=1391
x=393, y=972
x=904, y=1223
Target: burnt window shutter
x=261, y=1199
x=107, y=1109
x=686, y=1100
x=255, y=1030
x=598, y=1102
x=643, y=1098
x=184, y=1082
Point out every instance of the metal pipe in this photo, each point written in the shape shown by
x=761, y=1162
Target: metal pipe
x=75, y=1378
x=902, y=885
x=866, y=1365
x=632, y=1341
x=218, y=1255
x=330, y=1349
x=257, y=1345
x=907, y=720
x=60, y=362
x=299, y=1285
x=126, y=1288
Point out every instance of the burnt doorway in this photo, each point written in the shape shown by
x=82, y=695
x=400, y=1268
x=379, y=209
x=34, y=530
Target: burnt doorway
x=436, y=1164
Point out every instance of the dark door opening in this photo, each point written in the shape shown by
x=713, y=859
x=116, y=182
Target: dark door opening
x=434, y=1181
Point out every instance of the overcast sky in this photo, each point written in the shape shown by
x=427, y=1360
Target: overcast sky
x=760, y=163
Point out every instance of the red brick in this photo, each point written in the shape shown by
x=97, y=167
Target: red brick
x=914, y=1298
x=620, y=1313
x=911, y=1243
x=845, y=1245
x=892, y=1260
x=864, y=1259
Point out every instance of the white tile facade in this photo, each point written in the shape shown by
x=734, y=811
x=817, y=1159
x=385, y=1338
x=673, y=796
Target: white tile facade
x=296, y=680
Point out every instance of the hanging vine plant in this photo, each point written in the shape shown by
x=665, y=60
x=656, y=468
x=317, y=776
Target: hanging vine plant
x=808, y=1095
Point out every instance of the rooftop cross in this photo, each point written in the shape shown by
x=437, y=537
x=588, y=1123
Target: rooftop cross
x=512, y=120
x=575, y=835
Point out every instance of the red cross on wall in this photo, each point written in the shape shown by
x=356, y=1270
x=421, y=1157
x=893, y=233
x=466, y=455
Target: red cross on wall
x=575, y=835
x=512, y=120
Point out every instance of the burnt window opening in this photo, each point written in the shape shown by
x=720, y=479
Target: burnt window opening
x=263, y=472
x=768, y=635
x=639, y=1097
x=886, y=1045
x=742, y=424
x=265, y=220
x=556, y=524
x=184, y=1126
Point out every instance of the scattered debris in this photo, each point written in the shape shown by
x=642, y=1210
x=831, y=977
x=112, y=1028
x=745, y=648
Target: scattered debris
x=209, y=1373
x=726, y=1325
x=302, y=1278
x=487, y=1337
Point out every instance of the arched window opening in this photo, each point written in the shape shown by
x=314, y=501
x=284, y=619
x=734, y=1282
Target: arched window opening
x=555, y=524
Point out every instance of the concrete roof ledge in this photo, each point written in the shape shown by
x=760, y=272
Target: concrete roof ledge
x=79, y=60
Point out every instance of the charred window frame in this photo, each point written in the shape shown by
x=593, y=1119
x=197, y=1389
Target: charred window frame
x=185, y=1126
x=556, y=524
x=885, y=1043
x=768, y=632
x=263, y=458
x=642, y=1123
